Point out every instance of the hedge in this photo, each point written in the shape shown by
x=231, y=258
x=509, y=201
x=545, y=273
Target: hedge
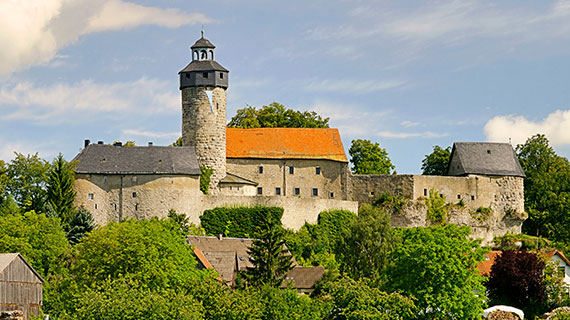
x=239, y=222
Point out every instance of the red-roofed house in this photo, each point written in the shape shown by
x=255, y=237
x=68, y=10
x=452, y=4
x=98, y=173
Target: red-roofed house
x=302, y=162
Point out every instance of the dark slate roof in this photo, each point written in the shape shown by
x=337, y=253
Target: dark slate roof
x=106, y=159
x=485, y=158
x=203, y=43
x=203, y=65
x=232, y=178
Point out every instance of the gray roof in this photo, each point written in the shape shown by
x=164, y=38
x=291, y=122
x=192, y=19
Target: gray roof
x=485, y=158
x=203, y=65
x=303, y=277
x=232, y=178
x=202, y=43
x=106, y=159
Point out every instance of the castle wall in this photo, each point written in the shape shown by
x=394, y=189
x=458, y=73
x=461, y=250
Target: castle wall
x=156, y=194
x=142, y=196
x=365, y=188
x=204, y=126
x=330, y=182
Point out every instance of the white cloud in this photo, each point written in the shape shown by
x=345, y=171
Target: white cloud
x=556, y=127
x=151, y=134
x=358, y=86
x=406, y=135
x=61, y=102
x=409, y=124
x=33, y=31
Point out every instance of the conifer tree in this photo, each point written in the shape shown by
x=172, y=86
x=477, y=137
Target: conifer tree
x=60, y=194
x=81, y=223
x=271, y=259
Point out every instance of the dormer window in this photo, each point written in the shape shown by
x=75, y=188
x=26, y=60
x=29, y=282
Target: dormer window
x=205, y=75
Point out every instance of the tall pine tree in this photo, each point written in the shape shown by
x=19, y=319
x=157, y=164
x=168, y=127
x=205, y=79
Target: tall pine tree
x=271, y=259
x=60, y=194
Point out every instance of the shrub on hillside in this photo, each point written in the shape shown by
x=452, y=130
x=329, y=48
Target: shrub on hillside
x=239, y=222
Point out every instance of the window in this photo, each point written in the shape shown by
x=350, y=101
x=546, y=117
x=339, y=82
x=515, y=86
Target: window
x=332, y=195
x=277, y=191
x=318, y=170
x=104, y=179
x=115, y=205
x=134, y=194
x=187, y=76
x=137, y=207
x=488, y=151
x=221, y=75
x=134, y=179
x=259, y=190
x=260, y=169
x=205, y=75
x=315, y=192
x=297, y=191
x=441, y=195
x=372, y=194
x=95, y=206
x=90, y=196
x=458, y=196
x=425, y=192
x=472, y=197
x=291, y=170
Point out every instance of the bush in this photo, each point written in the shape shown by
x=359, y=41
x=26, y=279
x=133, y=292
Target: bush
x=239, y=222
x=205, y=174
x=388, y=201
x=482, y=214
x=436, y=208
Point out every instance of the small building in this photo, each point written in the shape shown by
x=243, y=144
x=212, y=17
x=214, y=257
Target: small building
x=228, y=256
x=484, y=158
x=20, y=285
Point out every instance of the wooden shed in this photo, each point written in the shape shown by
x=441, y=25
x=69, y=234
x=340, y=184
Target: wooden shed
x=20, y=285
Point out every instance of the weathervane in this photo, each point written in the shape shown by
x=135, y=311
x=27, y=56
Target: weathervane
x=202, y=31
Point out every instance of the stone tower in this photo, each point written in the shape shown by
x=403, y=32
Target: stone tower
x=203, y=84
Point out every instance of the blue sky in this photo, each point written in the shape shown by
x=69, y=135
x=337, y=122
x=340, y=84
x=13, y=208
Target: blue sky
x=406, y=74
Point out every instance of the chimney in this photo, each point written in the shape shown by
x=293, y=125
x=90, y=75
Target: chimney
x=87, y=142
x=100, y=142
x=118, y=144
x=150, y=143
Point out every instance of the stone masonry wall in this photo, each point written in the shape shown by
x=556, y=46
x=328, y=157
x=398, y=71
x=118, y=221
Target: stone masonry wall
x=330, y=182
x=155, y=195
x=204, y=126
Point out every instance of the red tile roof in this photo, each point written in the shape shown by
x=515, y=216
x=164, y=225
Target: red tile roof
x=485, y=266
x=285, y=143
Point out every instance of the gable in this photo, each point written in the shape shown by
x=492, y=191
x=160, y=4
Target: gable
x=484, y=158
x=14, y=268
x=285, y=143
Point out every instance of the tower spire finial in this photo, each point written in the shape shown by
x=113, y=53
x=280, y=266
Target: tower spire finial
x=202, y=31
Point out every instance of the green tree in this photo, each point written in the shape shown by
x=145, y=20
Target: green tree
x=270, y=258
x=39, y=239
x=177, y=143
x=435, y=163
x=60, y=193
x=27, y=181
x=546, y=190
x=437, y=266
x=364, y=247
x=80, y=224
x=369, y=158
x=276, y=115
x=356, y=300
x=151, y=252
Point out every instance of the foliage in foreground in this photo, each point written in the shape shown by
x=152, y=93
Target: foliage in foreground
x=438, y=267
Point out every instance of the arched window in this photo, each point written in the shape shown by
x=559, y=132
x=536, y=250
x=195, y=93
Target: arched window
x=203, y=55
x=211, y=54
x=195, y=55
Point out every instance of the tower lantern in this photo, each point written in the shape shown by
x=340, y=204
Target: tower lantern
x=203, y=83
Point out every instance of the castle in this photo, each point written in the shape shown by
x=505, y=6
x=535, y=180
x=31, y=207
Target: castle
x=303, y=170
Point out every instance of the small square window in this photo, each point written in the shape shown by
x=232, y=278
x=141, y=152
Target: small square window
x=472, y=197
x=372, y=193
x=90, y=196
x=221, y=75
x=332, y=195
x=458, y=196
x=259, y=190
x=291, y=170
x=318, y=170
x=297, y=191
x=205, y=75
x=104, y=179
x=134, y=194
x=488, y=151
x=260, y=169
x=277, y=191
x=315, y=192
x=187, y=76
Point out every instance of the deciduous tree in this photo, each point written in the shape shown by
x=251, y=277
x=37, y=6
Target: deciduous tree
x=276, y=115
x=27, y=181
x=369, y=158
x=436, y=162
x=437, y=266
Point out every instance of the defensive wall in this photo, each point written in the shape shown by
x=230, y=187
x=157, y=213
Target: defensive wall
x=117, y=197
